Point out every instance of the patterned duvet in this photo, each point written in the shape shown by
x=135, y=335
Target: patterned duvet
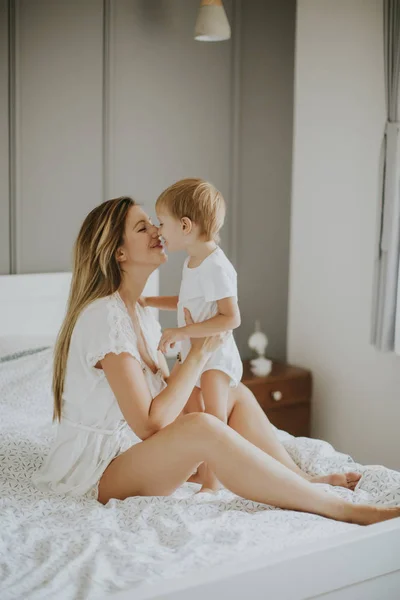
x=55, y=547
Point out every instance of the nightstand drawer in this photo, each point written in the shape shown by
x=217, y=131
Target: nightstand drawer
x=294, y=418
x=276, y=393
x=284, y=395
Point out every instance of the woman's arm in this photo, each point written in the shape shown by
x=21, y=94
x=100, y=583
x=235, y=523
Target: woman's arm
x=160, y=302
x=162, y=363
x=143, y=414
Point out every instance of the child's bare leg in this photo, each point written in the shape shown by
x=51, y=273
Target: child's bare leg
x=195, y=402
x=215, y=391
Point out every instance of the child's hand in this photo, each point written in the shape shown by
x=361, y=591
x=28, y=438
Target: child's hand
x=142, y=300
x=170, y=337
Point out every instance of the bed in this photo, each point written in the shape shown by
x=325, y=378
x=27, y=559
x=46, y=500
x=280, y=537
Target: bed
x=178, y=547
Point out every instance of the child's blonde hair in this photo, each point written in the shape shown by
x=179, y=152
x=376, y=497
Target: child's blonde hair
x=199, y=201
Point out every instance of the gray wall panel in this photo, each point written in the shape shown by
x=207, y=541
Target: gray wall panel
x=170, y=107
x=267, y=53
x=4, y=164
x=59, y=122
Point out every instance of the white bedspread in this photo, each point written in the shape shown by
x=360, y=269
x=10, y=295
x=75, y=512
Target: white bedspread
x=55, y=547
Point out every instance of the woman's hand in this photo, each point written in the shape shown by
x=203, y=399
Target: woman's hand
x=170, y=337
x=206, y=345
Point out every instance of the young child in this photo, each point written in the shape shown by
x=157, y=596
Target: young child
x=191, y=213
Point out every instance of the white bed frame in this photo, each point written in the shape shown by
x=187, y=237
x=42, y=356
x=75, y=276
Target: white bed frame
x=360, y=565
x=35, y=304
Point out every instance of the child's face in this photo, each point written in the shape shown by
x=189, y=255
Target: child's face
x=172, y=230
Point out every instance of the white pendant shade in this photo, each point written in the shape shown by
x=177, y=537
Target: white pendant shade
x=212, y=24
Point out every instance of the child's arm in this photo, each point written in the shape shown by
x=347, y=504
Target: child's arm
x=228, y=318
x=160, y=302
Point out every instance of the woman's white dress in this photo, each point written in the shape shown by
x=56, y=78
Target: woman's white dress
x=93, y=431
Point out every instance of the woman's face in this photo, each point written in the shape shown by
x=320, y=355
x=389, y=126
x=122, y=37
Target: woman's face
x=142, y=245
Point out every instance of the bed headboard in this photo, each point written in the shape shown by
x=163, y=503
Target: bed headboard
x=35, y=304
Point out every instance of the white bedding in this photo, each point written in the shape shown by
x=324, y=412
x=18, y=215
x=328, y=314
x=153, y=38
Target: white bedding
x=55, y=547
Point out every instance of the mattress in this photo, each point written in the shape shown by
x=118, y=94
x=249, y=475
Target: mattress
x=75, y=548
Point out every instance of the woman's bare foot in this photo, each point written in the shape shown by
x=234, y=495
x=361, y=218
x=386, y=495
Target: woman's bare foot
x=368, y=515
x=347, y=480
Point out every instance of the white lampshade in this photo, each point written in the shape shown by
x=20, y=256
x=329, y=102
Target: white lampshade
x=212, y=24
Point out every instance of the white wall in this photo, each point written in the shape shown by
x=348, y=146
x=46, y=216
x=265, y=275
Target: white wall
x=339, y=120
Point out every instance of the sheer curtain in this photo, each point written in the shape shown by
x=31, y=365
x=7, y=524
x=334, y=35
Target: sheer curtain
x=386, y=308
x=397, y=331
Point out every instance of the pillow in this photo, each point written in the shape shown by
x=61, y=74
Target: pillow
x=14, y=344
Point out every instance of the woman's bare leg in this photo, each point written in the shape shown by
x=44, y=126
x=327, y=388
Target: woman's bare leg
x=247, y=418
x=158, y=465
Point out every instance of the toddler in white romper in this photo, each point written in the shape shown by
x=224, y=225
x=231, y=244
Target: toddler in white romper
x=191, y=213
x=201, y=288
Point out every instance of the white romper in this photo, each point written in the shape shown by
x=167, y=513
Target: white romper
x=215, y=278
x=93, y=431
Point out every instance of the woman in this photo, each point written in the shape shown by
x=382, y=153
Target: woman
x=122, y=430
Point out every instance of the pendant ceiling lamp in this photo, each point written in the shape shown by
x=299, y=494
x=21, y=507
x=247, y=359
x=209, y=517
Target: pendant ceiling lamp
x=212, y=24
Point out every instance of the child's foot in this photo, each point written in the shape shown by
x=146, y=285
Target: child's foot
x=210, y=485
x=206, y=490
x=347, y=480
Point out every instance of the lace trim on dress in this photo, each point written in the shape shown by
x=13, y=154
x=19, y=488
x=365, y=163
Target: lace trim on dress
x=122, y=337
x=148, y=335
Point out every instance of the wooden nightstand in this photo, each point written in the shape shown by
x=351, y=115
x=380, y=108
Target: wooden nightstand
x=284, y=395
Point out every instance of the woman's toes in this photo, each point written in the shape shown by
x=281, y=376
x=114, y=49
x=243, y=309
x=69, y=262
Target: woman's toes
x=352, y=479
x=339, y=480
x=347, y=480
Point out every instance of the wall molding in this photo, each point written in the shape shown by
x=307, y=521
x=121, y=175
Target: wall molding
x=12, y=135
x=106, y=91
x=235, y=137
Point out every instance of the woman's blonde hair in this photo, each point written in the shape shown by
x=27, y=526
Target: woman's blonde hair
x=95, y=274
x=199, y=201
